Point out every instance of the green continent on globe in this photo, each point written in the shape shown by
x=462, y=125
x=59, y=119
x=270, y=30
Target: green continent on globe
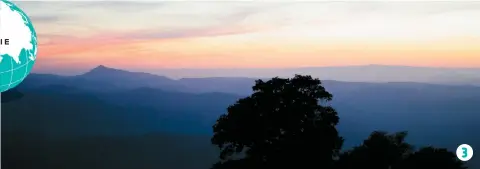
x=18, y=56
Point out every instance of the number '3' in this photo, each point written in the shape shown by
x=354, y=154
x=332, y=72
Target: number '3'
x=465, y=152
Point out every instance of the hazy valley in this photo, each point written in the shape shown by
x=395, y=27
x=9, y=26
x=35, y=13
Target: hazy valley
x=139, y=118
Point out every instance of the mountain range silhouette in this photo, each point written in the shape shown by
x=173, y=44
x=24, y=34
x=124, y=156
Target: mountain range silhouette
x=118, y=112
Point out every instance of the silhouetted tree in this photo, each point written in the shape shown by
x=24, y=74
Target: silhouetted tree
x=380, y=151
x=430, y=157
x=288, y=123
x=390, y=151
x=285, y=122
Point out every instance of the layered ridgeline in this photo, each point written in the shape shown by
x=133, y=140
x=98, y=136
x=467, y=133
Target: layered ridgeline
x=110, y=118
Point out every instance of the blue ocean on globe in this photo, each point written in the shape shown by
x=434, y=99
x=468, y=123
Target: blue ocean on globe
x=18, y=45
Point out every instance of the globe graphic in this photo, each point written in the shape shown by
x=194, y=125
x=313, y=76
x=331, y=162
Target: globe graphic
x=18, y=45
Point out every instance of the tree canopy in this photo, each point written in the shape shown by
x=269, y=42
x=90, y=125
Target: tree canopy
x=390, y=151
x=282, y=123
x=289, y=122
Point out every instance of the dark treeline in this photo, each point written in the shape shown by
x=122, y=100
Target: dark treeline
x=289, y=123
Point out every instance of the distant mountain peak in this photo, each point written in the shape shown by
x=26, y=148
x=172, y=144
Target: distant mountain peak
x=102, y=69
x=103, y=72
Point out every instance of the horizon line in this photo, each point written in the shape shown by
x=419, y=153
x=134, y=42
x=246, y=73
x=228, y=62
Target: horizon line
x=298, y=67
x=149, y=71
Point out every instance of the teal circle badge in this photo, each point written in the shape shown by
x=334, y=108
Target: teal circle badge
x=18, y=45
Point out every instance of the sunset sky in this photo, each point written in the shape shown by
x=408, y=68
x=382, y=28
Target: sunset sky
x=155, y=35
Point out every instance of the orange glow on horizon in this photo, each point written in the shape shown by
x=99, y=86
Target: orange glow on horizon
x=240, y=51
